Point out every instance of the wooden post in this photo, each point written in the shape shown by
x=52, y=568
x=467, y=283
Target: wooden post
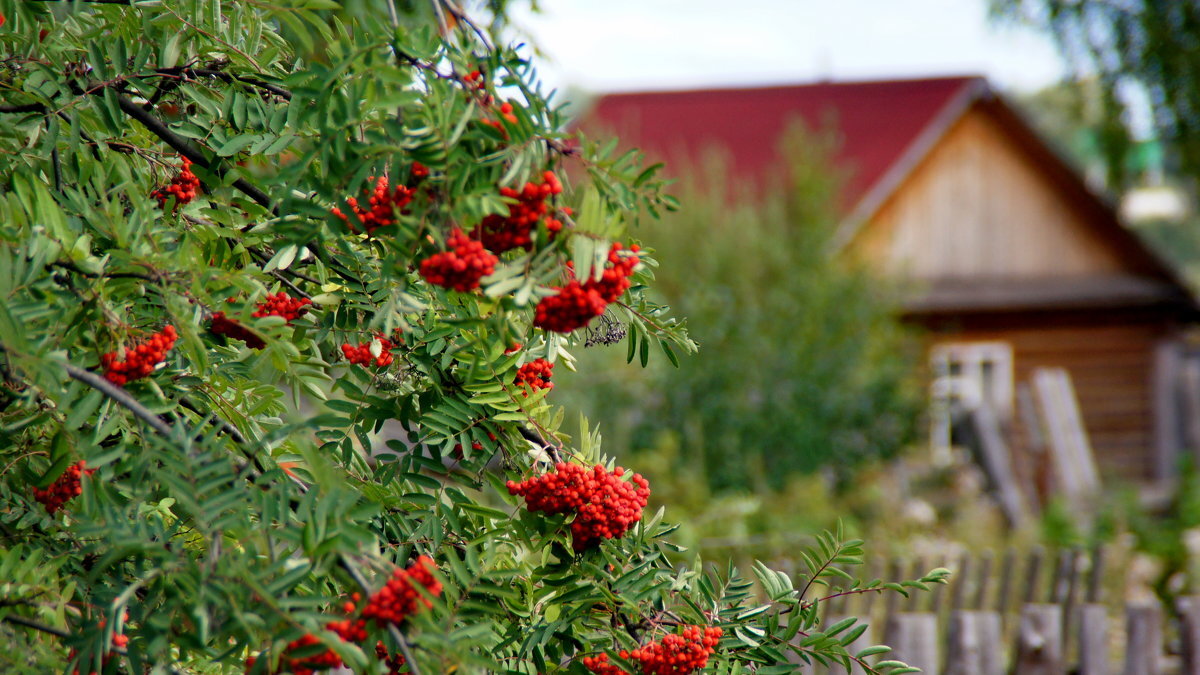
x=985, y=574
x=1189, y=633
x=1039, y=641
x=1143, y=645
x=913, y=637
x=1071, y=598
x=973, y=644
x=997, y=464
x=1166, y=387
x=1093, y=639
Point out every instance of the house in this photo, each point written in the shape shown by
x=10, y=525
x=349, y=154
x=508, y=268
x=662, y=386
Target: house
x=1015, y=263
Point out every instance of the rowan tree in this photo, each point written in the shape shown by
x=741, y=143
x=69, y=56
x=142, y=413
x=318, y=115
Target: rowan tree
x=282, y=290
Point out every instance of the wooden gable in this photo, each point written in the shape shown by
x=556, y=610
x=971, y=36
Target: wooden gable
x=989, y=218
x=979, y=207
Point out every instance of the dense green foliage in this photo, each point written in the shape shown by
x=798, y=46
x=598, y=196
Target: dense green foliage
x=804, y=362
x=1149, y=45
x=242, y=496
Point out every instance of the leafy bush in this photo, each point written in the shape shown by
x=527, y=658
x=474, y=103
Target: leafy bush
x=805, y=363
x=265, y=407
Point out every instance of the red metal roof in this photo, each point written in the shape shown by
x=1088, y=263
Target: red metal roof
x=877, y=123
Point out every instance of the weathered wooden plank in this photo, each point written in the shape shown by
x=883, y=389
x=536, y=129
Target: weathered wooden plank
x=1144, y=639
x=997, y=464
x=973, y=644
x=913, y=637
x=1071, y=453
x=1093, y=640
x=1189, y=634
x=1040, y=641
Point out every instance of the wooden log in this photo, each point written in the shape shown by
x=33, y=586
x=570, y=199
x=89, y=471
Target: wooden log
x=1189, y=633
x=985, y=574
x=1033, y=573
x=1006, y=581
x=860, y=644
x=997, y=464
x=960, y=581
x=1144, y=640
x=973, y=644
x=1039, y=641
x=1071, y=599
x=1093, y=640
x=913, y=637
x=1191, y=405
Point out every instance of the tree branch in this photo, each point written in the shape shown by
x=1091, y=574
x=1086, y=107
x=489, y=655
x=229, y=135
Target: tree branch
x=22, y=108
x=30, y=623
x=120, y=396
x=189, y=150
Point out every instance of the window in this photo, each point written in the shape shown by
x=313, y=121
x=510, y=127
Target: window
x=967, y=375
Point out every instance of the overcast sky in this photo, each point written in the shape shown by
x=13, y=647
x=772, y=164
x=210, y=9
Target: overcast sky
x=622, y=45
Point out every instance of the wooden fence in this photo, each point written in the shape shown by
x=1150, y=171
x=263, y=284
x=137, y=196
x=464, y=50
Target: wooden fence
x=997, y=616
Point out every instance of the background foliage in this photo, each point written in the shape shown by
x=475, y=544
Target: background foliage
x=804, y=362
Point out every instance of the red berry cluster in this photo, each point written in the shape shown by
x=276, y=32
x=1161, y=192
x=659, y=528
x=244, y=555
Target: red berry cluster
x=394, y=662
x=140, y=360
x=223, y=325
x=348, y=629
x=382, y=204
x=599, y=664
x=604, y=505
x=282, y=304
x=64, y=488
x=535, y=375
x=182, y=187
x=477, y=85
x=578, y=303
x=673, y=655
x=362, y=353
x=503, y=233
x=506, y=112
x=462, y=266
x=399, y=597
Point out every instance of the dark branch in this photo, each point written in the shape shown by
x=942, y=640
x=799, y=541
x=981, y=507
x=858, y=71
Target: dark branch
x=30, y=623
x=23, y=108
x=252, y=81
x=189, y=150
x=113, y=275
x=120, y=396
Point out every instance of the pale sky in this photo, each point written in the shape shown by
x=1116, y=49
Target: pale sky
x=624, y=45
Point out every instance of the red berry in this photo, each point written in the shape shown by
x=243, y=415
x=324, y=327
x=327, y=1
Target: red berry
x=605, y=506
x=141, y=359
x=182, y=187
x=461, y=267
x=64, y=488
x=382, y=204
x=503, y=233
x=399, y=598
x=535, y=375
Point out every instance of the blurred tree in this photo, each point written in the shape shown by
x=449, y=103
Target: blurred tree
x=803, y=365
x=1149, y=45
